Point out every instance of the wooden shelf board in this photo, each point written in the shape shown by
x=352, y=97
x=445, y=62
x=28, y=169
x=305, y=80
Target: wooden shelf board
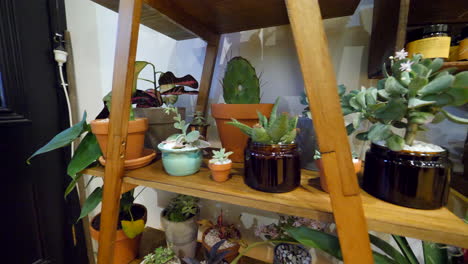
x=222, y=16
x=307, y=201
x=460, y=65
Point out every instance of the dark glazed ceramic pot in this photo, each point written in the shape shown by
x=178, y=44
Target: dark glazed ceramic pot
x=272, y=168
x=411, y=179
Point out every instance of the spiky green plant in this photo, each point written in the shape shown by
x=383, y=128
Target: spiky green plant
x=413, y=96
x=220, y=156
x=241, y=84
x=276, y=130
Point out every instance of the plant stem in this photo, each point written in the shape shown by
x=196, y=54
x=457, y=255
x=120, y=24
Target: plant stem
x=256, y=244
x=410, y=134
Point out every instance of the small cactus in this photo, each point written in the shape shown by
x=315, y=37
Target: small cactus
x=240, y=83
x=278, y=130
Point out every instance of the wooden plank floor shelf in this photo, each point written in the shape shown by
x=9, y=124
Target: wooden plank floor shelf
x=307, y=201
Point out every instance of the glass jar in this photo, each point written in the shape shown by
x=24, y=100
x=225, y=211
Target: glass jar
x=274, y=168
x=433, y=43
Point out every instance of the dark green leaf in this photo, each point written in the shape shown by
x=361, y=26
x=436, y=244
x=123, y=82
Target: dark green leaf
x=395, y=110
x=416, y=84
x=388, y=249
x=362, y=136
x=441, y=100
x=126, y=201
x=87, y=152
x=91, y=202
x=341, y=90
x=64, y=138
x=317, y=239
x=371, y=96
x=381, y=84
x=406, y=249
x=437, y=85
x=394, y=88
x=395, y=142
x=347, y=110
x=426, y=62
x=350, y=129
x=436, y=64
x=460, y=95
x=379, y=132
x=71, y=185
x=461, y=80
x=419, y=69
x=405, y=78
x=399, y=124
x=435, y=253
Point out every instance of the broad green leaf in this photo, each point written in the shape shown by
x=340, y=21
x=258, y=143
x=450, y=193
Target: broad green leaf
x=437, y=85
x=441, y=100
x=420, y=118
x=388, y=249
x=192, y=136
x=426, y=62
x=406, y=249
x=71, y=185
x=371, y=96
x=139, y=66
x=436, y=64
x=361, y=99
x=461, y=80
x=395, y=142
x=244, y=128
x=435, y=253
x=460, y=95
x=91, y=202
x=279, y=127
x=357, y=121
x=395, y=110
x=63, y=138
x=379, y=132
x=126, y=201
x=394, y=88
x=133, y=228
x=87, y=152
x=416, y=84
x=354, y=103
x=317, y=239
x=260, y=135
x=420, y=70
x=415, y=103
x=381, y=84
x=347, y=110
x=383, y=94
x=454, y=118
x=399, y=124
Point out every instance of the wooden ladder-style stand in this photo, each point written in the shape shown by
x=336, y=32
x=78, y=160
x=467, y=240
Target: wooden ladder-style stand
x=321, y=87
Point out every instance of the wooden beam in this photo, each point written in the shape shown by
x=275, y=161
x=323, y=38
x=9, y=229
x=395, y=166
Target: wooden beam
x=207, y=75
x=127, y=38
x=321, y=89
x=178, y=16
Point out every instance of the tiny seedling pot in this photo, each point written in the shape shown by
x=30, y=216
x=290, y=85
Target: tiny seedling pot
x=181, y=162
x=220, y=172
x=418, y=180
x=274, y=168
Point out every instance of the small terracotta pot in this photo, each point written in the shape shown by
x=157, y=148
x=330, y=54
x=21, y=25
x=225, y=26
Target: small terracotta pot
x=357, y=168
x=135, y=139
x=357, y=165
x=233, y=251
x=220, y=172
x=126, y=249
x=231, y=137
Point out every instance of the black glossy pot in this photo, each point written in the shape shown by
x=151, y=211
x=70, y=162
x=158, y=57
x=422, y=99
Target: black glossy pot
x=411, y=179
x=272, y=168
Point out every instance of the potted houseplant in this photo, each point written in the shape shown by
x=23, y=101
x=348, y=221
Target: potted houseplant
x=215, y=233
x=241, y=92
x=272, y=162
x=199, y=123
x=212, y=256
x=220, y=165
x=161, y=255
x=181, y=153
x=398, y=168
x=179, y=220
x=163, y=92
x=306, y=138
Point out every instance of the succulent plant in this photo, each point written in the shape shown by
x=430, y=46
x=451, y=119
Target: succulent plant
x=198, y=119
x=183, y=140
x=211, y=257
x=240, y=83
x=181, y=208
x=220, y=156
x=413, y=96
x=161, y=255
x=276, y=130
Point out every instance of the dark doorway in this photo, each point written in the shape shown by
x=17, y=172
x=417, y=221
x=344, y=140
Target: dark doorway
x=37, y=223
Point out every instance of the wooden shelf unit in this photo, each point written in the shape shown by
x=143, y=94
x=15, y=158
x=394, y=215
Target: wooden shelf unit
x=309, y=201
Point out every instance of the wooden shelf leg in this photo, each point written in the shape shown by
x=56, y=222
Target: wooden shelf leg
x=321, y=89
x=207, y=75
x=122, y=83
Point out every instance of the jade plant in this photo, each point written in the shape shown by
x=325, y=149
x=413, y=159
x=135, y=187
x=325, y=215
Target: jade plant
x=221, y=156
x=413, y=95
x=183, y=139
x=161, y=255
x=241, y=84
x=181, y=208
x=276, y=130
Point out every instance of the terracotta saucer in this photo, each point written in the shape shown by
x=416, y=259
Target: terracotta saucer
x=148, y=156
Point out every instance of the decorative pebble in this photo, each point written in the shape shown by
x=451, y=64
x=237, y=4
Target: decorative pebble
x=291, y=254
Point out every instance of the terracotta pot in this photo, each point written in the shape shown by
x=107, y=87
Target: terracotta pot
x=357, y=168
x=357, y=165
x=160, y=125
x=135, y=139
x=233, y=251
x=231, y=137
x=220, y=172
x=126, y=249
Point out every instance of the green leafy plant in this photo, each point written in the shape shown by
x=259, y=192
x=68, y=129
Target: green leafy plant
x=182, y=208
x=199, y=119
x=241, y=84
x=161, y=255
x=221, y=156
x=413, y=96
x=276, y=130
x=211, y=257
x=183, y=139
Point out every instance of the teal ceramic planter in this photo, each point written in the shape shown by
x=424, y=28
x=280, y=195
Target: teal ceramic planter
x=181, y=162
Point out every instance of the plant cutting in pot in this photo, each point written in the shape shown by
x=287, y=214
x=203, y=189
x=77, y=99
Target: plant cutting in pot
x=211, y=257
x=272, y=162
x=179, y=220
x=220, y=165
x=214, y=233
x=161, y=255
x=241, y=92
x=181, y=153
x=400, y=169
x=199, y=123
x=163, y=92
